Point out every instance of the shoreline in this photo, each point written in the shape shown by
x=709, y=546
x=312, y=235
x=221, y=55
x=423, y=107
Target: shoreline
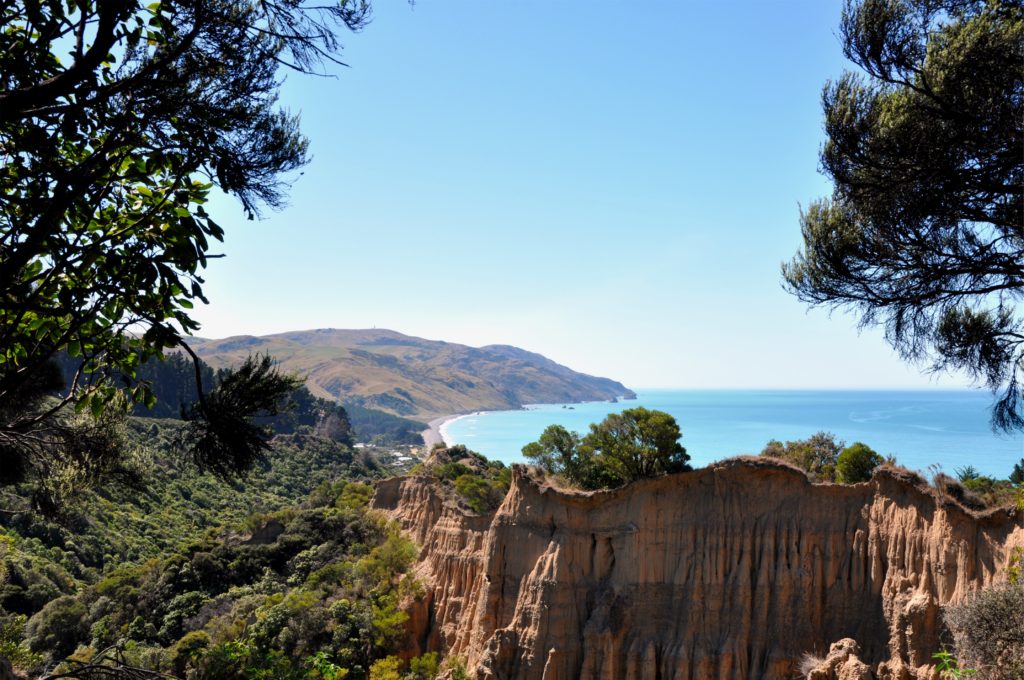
x=432, y=435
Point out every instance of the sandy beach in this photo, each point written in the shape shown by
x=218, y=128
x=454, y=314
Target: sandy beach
x=432, y=435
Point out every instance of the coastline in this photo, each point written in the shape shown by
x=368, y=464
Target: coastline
x=432, y=435
x=919, y=427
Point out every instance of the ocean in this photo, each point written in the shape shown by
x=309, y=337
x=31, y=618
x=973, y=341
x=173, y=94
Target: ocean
x=920, y=428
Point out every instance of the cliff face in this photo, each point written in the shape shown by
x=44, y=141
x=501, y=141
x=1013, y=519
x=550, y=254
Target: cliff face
x=729, y=572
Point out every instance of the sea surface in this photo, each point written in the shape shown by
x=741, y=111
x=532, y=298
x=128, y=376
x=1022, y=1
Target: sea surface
x=921, y=428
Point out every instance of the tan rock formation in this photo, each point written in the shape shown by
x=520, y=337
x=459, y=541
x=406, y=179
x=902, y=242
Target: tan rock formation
x=729, y=572
x=842, y=663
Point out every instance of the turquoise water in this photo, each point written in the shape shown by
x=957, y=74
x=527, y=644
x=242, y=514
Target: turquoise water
x=920, y=428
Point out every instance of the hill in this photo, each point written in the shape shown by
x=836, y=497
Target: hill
x=410, y=376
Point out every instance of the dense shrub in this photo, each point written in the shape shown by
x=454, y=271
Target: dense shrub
x=855, y=463
x=988, y=631
x=482, y=494
x=305, y=590
x=41, y=559
x=817, y=454
x=478, y=483
x=58, y=628
x=13, y=646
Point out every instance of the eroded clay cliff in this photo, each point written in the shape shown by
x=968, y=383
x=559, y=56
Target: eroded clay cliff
x=731, y=572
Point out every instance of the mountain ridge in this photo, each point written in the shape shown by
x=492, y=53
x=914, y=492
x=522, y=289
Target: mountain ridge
x=414, y=377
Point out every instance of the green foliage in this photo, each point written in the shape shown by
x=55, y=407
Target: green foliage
x=113, y=116
x=1015, y=564
x=309, y=592
x=478, y=483
x=388, y=668
x=222, y=436
x=320, y=666
x=966, y=473
x=558, y=452
x=58, y=628
x=623, y=447
x=855, y=463
x=419, y=668
x=41, y=559
x=1017, y=475
x=483, y=494
x=450, y=471
x=922, y=232
x=424, y=667
x=948, y=665
x=637, y=443
x=973, y=490
x=817, y=455
x=13, y=646
x=456, y=668
x=990, y=490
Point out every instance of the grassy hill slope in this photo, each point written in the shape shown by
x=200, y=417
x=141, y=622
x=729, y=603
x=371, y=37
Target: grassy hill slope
x=411, y=376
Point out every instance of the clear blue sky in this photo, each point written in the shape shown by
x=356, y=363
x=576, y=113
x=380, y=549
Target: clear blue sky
x=611, y=184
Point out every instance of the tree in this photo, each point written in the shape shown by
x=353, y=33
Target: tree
x=622, y=448
x=556, y=452
x=1017, y=475
x=117, y=120
x=856, y=462
x=966, y=473
x=924, y=233
x=638, y=443
x=817, y=454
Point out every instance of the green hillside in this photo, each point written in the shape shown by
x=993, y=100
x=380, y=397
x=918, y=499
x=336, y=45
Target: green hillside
x=410, y=376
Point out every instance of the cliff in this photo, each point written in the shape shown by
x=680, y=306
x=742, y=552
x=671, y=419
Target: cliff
x=410, y=376
x=730, y=572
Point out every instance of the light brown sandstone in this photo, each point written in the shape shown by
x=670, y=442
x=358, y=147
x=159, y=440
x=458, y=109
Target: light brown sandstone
x=729, y=572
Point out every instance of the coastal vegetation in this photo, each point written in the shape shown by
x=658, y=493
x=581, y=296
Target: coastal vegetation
x=826, y=460
x=622, y=448
x=303, y=591
x=476, y=483
x=382, y=428
x=282, y=574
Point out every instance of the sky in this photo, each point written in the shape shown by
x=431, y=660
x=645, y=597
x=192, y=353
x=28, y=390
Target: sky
x=613, y=185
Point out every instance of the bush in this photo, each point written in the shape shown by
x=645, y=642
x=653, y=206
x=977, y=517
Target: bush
x=388, y=668
x=58, y=627
x=482, y=495
x=423, y=667
x=988, y=631
x=12, y=644
x=817, y=454
x=855, y=463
